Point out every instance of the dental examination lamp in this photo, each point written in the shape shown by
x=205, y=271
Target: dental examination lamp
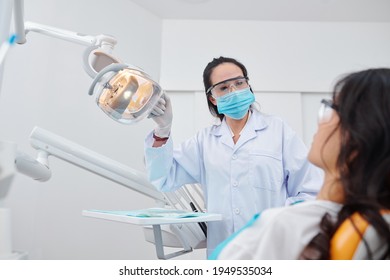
x=126, y=94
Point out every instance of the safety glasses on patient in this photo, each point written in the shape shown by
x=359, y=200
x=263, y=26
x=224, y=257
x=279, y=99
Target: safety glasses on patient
x=224, y=87
x=326, y=111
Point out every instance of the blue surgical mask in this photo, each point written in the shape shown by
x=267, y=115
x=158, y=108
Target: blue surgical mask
x=236, y=103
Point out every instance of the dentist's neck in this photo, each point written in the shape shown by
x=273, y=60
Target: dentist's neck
x=236, y=126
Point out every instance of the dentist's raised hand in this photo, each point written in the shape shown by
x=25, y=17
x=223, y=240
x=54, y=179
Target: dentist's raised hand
x=162, y=116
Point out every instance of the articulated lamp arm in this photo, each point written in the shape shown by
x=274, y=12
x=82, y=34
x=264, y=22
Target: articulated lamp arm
x=99, y=48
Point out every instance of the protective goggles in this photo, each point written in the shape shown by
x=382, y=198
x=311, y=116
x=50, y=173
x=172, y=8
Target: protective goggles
x=325, y=111
x=225, y=86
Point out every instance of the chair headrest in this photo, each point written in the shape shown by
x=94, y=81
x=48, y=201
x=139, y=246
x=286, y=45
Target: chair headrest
x=349, y=240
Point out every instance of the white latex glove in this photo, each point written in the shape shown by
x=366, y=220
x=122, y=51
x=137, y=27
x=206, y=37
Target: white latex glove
x=162, y=115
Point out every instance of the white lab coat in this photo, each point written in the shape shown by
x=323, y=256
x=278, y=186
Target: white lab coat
x=267, y=167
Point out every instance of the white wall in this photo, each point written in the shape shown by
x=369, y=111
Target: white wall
x=44, y=85
x=291, y=66
x=280, y=56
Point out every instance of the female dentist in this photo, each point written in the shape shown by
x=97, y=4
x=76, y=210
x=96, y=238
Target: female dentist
x=245, y=164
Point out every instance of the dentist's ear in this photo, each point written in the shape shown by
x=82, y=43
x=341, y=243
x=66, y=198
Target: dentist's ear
x=212, y=100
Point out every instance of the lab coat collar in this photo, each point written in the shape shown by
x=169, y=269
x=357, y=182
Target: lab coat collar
x=255, y=123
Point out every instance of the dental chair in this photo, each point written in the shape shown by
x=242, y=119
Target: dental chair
x=350, y=240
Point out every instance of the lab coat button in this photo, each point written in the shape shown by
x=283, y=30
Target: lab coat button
x=235, y=184
x=234, y=156
x=236, y=211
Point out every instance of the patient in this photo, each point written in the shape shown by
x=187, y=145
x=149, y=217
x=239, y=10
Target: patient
x=352, y=146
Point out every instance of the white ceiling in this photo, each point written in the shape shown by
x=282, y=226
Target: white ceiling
x=271, y=10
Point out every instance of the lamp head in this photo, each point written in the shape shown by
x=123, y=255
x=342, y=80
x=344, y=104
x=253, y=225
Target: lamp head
x=125, y=93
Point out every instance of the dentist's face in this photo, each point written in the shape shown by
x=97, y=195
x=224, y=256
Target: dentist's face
x=223, y=72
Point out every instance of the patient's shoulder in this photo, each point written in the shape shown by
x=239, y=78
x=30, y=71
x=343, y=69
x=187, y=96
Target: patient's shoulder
x=301, y=213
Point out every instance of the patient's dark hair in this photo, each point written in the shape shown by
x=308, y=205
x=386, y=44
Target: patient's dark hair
x=363, y=100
